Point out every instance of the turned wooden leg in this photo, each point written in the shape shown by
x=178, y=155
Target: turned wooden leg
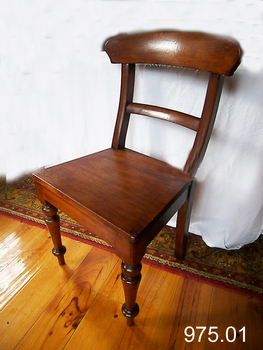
x=52, y=221
x=183, y=221
x=131, y=277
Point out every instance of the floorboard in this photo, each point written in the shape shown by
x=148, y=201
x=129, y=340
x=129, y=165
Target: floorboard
x=78, y=306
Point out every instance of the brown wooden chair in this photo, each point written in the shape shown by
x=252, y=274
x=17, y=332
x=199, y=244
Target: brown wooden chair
x=125, y=197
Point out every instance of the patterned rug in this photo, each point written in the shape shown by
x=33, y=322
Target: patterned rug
x=241, y=270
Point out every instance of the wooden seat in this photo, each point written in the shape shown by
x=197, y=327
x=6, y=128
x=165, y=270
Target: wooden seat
x=125, y=197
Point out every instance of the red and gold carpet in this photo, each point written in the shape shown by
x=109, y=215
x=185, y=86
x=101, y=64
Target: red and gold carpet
x=241, y=270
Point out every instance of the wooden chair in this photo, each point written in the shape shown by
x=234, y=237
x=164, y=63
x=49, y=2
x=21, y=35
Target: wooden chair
x=123, y=196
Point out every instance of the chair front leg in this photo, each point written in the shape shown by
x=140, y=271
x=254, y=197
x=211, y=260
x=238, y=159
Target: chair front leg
x=52, y=221
x=131, y=277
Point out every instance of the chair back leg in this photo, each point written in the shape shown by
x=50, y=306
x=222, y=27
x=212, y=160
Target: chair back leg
x=183, y=220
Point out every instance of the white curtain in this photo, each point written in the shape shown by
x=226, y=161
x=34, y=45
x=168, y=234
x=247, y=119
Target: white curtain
x=59, y=96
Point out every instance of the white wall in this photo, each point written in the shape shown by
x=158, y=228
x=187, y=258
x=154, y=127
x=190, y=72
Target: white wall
x=59, y=95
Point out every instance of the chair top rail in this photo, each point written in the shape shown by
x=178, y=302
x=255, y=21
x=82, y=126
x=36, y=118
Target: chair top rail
x=207, y=52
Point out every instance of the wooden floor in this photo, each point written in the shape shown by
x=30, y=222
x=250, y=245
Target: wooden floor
x=78, y=306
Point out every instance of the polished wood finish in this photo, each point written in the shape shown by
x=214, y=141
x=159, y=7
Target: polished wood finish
x=126, y=97
x=52, y=221
x=202, y=51
x=176, y=117
x=125, y=197
x=183, y=220
x=205, y=127
x=131, y=277
x=78, y=306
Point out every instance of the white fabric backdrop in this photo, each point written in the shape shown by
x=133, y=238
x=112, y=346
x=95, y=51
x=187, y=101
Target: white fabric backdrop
x=59, y=96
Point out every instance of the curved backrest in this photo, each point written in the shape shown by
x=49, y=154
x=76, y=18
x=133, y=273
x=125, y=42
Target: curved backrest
x=218, y=55
x=202, y=51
